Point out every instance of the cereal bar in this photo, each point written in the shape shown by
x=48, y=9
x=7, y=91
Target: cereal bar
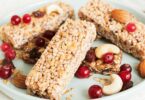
x=60, y=60
x=46, y=18
x=117, y=25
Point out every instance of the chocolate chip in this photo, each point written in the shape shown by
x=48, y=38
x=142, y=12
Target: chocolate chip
x=38, y=14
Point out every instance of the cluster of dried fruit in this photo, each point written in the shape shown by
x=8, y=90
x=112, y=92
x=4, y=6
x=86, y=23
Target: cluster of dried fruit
x=118, y=82
x=7, y=68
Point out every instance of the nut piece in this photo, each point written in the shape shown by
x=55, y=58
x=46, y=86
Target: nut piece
x=121, y=15
x=19, y=80
x=141, y=69
x=54, y=8
x=106, y=48
x=114, y=87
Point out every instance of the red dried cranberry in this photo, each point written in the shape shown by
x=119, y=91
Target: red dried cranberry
x=125, y=76
x=127, y=85
x=5, y=71
x=15, y=20
x=49, y=34
x=131, y=27
x=5, y=47
x=9, y=63
x=83, y=72
x=91, y=56
x=40, y=42
x=27, y=18
x=95, y=91
x=126, y=67
x=10, y=54
x=108, y=58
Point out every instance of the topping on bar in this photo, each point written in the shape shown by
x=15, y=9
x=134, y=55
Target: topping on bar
x=121, y=16
x=54, y=9
x=116, y=25
x=104, y=59
x=19, y=33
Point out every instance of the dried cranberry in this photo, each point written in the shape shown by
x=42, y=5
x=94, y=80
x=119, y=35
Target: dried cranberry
x=15, y=20
x=5, y=71
x=40, y=42
x=48, y=34
x=38, y=14
x=127, y=85
x=91, y=56
x=126, y=67
x=108, y=58
x=5, y=47
x=8, y=62
x=83, y=72
x=125, y=76
x=95, y=91
x=27, y=18
x=131, y=27
x=10, y=54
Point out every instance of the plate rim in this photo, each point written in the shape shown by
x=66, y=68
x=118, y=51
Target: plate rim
x=9, y=91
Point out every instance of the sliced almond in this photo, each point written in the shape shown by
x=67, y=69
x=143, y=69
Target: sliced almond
x=141, y=68
x=121, y=15
x=19, y=80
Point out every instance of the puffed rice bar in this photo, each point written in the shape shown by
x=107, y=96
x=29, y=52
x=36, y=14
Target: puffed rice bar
x=99, y=12
x=60, y=60
x=54, y=15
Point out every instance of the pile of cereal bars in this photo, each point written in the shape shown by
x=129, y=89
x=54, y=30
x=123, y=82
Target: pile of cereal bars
x=60, y=47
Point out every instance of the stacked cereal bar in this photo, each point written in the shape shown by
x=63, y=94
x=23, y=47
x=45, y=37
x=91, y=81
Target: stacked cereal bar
x=46, y=18
x=60, y=60
x=117, y=25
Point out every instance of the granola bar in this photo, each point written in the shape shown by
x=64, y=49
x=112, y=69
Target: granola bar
x=60, y=60
x=46, y=18
x=112, y=24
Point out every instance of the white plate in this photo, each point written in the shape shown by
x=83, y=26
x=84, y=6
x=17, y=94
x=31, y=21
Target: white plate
x=80, y=85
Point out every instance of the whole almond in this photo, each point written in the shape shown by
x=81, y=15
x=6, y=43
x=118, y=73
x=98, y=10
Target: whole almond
x=141, y=69
x=19, y=80
x=121, y=16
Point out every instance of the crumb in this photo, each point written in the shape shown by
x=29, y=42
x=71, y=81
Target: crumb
x=69, y=97
x=68, y=90
x=104, y=81
x=5, y=81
